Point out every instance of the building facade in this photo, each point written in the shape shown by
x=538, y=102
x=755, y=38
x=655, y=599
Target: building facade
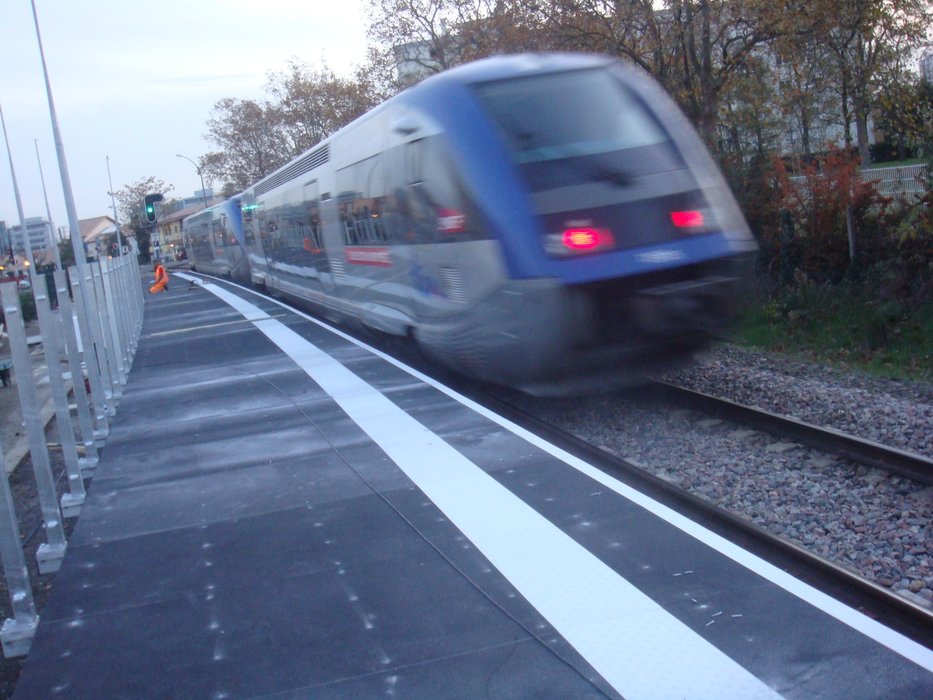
x=165, y=238
x=926, y=67
x=38, y=233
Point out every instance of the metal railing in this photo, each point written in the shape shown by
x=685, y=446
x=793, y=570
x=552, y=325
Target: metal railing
x=89, y=342
x=909, y=180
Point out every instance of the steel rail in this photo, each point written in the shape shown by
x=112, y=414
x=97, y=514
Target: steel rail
x=892, y=459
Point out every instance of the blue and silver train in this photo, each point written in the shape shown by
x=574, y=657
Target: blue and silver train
x=214, y=240
x=548, y=221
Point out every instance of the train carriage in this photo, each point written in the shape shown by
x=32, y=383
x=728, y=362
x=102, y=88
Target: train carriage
x=214, y=240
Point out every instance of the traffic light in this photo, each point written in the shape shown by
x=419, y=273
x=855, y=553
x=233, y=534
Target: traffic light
x=150, y=201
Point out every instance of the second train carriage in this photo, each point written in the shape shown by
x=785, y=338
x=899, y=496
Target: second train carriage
x=214, y=240
x=542, y=221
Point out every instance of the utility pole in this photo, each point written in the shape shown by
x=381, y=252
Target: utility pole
x=113, y=203
x=198, y=168
x=48, y=212
x=76, y=243
x=19, y=201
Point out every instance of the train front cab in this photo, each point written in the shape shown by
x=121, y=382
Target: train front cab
x=636, y=247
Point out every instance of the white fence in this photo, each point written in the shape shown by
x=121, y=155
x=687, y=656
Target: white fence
x=898, y=180
x=906, y=179
x=91, y=337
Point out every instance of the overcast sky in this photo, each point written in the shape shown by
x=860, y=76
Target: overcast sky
x=136, y=81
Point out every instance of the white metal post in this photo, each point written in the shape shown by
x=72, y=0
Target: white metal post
x=49, y=556
x=89, y=461
x=51, y=342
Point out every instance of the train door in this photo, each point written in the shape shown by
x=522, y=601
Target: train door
x=218, y=221
x=313, y=252
x=255, y=267
x=415, y=208
x=228, y=244
x=370, y=273
x=439, y=229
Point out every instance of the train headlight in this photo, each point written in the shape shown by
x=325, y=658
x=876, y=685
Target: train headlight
x=692, y=220
x=579, y=239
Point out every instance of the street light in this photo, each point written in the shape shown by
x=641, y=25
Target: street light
x=113, y=203
x=198, y=168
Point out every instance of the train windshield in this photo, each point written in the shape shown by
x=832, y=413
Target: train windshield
x=580, y=125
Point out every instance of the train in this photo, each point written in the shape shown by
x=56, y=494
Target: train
x=214, y=239
x=548, y=222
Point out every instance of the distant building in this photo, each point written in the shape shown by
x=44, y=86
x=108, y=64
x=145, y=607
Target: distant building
x=165, y=238
x=197, y=198
x=414, y=62
x=97, y=234
x=5, y=242
x=38, y=233
x=926, y=66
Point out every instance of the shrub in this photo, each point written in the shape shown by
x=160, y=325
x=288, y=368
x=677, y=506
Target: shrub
x=28, y=304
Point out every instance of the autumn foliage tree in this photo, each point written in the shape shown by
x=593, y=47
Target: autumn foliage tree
x=130, y=198
x=314, y=103
x=824, y=207
x=255, y=138
x=251, y=139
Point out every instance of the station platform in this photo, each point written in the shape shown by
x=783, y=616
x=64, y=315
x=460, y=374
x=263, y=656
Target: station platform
x=282, y=512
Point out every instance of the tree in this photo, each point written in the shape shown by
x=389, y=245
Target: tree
x=415, y=30
x=313, y=104
x=749, y=123
x=130, y=198
x=252, y=140
x=803, y=64
x=871, y=41
x=695, y=48
x=66, y=253
x=905, y=115
x=378, y=74
x=633, y=30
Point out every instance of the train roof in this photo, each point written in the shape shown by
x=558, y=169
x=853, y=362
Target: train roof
x=480, y=71
x=514, y=65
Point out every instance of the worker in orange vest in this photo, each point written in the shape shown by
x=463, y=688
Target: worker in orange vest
x=161, y=279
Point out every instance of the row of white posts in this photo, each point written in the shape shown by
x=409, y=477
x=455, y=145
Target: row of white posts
x=89, y=342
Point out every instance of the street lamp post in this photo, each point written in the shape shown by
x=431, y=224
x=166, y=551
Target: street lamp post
x=56, y=253
x=113, y=204
x=198, y=168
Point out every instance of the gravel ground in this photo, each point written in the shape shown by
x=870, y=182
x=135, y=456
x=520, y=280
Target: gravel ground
x=873, y=523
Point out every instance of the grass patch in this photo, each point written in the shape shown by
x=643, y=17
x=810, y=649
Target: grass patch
x=897, y=163
x=844, y=326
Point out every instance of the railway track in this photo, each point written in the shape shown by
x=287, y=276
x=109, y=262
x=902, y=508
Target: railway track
x=873, y=454
x=875, y=601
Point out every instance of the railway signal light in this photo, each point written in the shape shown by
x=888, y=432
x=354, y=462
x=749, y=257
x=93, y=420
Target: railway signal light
x=150, y=201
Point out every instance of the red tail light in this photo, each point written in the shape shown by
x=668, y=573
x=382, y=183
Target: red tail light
x=584, y=239
x=688, y=219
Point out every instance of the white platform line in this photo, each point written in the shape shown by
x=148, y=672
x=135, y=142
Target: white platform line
x=637, y=646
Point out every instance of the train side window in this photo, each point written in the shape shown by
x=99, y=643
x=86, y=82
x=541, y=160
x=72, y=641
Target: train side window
x=248, y=234
x=217, y=234
x=438, y=203
x=413, y=161
x=311, y=219
x=226, y=237
x=362, y=202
